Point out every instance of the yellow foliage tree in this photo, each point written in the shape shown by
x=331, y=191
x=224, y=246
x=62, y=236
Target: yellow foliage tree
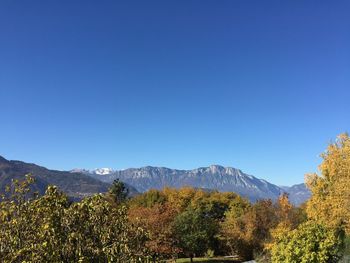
x=330, y=201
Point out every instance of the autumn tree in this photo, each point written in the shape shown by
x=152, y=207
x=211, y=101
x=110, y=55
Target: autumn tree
x=157, y=220
x=232, y=232
x=288, y=216
x=180, y=198
x=148, y=199
x=330, y=201
x=247, y=227
x=215, y=203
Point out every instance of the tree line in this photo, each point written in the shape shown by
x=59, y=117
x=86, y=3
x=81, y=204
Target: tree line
x=161, y=225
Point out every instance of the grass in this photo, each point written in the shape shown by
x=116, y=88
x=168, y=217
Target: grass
x=346, y=258
x=206, y=260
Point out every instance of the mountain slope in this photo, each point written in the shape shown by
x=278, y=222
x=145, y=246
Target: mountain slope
x=76, y=185
x=298, y=193
x=212, y=177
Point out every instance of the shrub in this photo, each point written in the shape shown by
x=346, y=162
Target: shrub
x=309, y=243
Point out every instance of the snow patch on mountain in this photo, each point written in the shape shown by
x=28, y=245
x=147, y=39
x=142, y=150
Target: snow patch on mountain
x=103, y=171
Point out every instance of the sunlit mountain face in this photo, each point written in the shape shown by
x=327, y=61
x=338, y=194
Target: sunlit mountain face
x=214, y=177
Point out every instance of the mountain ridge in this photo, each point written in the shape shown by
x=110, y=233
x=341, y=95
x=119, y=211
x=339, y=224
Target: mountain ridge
x=215, y=177
x=79, y=183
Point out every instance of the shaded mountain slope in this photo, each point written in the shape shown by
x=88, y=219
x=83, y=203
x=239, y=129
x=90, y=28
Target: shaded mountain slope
x=76, y=185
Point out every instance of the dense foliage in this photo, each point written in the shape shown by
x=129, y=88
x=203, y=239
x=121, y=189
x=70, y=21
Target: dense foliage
x=309, y=243
x=330, y=201
x=193, y=222
x=52, y=229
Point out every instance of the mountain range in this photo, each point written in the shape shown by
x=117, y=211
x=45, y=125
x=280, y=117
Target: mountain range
x=79, y=183
x=214, y=177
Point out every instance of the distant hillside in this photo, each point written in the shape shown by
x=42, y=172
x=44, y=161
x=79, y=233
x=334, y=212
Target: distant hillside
x=214, y=177
x=298, y=193
x=76, y=185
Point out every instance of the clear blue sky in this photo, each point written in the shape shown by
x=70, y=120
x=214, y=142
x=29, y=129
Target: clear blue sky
x=258, y=85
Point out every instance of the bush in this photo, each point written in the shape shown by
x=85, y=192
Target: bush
x=309, y=243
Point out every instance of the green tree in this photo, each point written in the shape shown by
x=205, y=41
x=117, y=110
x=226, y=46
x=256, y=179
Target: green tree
x=195, y=231
x=118, y=191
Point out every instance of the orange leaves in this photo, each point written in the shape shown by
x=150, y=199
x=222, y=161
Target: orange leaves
x=157, y=220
